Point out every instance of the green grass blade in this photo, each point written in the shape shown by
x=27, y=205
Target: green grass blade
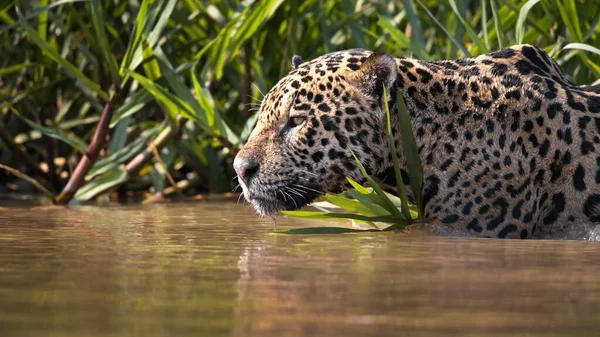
x=497, y=23
x=484, y=20
x=395, y=161
x=568, y=13
x=28, y=179
x=520, y=27
x=14, y=68
x=582, y=46
x=441, y=26
x=98, y=24
x=150, y=23
x=150, y=64
x=205, y=100
x=43, y=21
x=237, y=32
x=144, y=17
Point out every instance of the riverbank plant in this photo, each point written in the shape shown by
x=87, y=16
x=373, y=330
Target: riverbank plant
x=145, y=99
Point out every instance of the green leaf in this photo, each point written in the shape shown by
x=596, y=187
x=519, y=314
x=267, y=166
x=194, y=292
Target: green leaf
x=411, y=153
x=54, y=132
x=367, y=201
x=351, y=205
x=172, y=104
x=102, y=184
x=43, y=21
x=358, y=186
x=387, y=203
x=133, y=104
x=519, y=28
x=205, y=100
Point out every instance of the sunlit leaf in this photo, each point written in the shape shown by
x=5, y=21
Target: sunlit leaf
x=582, y=46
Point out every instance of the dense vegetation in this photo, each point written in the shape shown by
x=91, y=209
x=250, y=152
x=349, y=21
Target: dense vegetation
x=157, y=96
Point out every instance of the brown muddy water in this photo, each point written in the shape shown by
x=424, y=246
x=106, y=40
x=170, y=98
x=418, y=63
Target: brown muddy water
x=194, y=269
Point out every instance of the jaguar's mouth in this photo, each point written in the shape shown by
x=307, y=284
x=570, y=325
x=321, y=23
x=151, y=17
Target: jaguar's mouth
x=272, y=201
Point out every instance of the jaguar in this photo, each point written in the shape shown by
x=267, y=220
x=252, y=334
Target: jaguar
x=509, y=145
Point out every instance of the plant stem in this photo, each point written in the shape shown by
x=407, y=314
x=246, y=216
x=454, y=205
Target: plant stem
x=90, y=156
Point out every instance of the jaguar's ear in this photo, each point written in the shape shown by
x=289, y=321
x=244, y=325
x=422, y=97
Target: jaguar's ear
x=378, y=69
x=297, y=61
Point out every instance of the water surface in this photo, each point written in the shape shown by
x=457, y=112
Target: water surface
x=194, y=269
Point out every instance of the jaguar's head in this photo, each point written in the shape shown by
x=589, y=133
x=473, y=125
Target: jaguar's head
x=299, y=148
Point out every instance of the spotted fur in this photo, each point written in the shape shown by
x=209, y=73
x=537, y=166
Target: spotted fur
x=510, y=147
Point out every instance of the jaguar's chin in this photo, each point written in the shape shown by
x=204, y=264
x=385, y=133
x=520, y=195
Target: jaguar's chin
x=272, y=202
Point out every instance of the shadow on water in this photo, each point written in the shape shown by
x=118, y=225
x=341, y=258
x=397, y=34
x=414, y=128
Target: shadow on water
x=216, y=269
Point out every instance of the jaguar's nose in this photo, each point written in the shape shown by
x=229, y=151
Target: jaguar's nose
x=246, y=168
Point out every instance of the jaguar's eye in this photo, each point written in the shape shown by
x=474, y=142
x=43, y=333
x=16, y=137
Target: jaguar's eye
x=296, y=121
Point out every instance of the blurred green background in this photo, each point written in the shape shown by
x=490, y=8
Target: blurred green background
x=144, y=99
